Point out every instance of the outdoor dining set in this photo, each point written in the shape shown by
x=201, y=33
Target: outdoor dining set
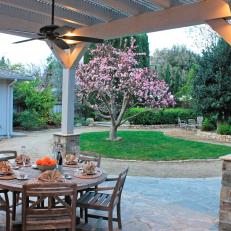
x=190, y=124
x=58, y=197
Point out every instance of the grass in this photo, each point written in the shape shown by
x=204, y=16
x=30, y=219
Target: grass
x=149, y=145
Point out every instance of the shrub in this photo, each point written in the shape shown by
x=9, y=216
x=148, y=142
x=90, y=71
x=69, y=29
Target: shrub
x=54, y=119
x=224, y=129
x=29, y=119
x=16, y=118
x=146, y=116
x=208, y=124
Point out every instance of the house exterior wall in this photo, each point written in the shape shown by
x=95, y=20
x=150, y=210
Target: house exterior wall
x=6, y=108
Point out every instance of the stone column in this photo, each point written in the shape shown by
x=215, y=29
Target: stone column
x=68, y=142
x=225, y=196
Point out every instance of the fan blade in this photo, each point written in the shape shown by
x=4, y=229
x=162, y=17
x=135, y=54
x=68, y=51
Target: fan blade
x=28, y=40
x=83, y=39
x=61, y=44
x=63, y=30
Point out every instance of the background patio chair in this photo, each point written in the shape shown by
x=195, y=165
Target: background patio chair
x=4, y=206
x=199, y=121
x=181, y=123
x=90, y=156
x=191, y=124
x=56, y=213
x=97, y=200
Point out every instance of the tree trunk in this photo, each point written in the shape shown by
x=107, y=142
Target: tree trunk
x=113, y=132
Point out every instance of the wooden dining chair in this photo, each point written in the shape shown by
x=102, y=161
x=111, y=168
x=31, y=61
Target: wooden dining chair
x=90, y=156
x=96, y=200
x=4, y=206
x=4, y=156
x=56, y=213
x=7, y=155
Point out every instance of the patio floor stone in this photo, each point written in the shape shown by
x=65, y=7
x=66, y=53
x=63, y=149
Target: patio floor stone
x=158, y=204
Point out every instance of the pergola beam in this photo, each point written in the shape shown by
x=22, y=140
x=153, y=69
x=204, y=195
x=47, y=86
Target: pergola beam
x=222, y=27
x=175, y=17
x=162, y=3
x=119, y=5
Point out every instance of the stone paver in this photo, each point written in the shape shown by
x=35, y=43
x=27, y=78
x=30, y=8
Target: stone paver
x=155, y=204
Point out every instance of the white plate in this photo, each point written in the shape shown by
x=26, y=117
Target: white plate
x=24, y=178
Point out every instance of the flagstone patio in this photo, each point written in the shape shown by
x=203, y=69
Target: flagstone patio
x=155, y=204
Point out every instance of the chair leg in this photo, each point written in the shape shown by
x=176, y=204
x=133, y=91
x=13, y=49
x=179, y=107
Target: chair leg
x=119, y=216
x=110, y=224
x=7, y=212
x=8, y=219
x=14, y=205
x=81, y=210
x=86, y=216
x=81, y=213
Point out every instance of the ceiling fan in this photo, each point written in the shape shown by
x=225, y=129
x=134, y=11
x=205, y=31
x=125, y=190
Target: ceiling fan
x=58, y=35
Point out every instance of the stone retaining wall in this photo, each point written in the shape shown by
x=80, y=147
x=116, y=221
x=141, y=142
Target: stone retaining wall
x=214, y=136
x=150, y=126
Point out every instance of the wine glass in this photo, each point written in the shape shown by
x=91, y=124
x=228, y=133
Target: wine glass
x=23, y=154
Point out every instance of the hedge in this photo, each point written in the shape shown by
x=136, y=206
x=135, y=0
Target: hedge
x=158, y=116
x=224, y=129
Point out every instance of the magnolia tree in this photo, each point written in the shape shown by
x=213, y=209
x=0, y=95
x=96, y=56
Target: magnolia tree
x=111, y=82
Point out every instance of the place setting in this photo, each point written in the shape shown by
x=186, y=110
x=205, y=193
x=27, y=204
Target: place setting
x=6, y=172
x=88, y=171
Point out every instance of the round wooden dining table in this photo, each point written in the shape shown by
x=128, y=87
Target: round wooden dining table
x=16, y=185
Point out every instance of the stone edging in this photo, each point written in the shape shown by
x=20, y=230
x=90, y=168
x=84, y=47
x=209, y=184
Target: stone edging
x=164, y=161
x=214, y=136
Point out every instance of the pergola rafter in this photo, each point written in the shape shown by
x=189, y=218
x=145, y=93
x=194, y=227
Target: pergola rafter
x=86, y=8
x=121, y=6
x=163, y=3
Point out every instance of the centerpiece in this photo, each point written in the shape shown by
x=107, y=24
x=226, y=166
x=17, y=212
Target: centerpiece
x=46, y=163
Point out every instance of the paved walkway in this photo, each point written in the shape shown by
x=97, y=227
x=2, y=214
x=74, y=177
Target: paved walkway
x=154, y=204
x=39, y=143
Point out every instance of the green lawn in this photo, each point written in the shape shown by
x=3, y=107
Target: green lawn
x=149, y=145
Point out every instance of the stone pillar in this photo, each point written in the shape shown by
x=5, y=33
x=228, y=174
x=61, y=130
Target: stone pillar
x=225, y=196
x=68, y=142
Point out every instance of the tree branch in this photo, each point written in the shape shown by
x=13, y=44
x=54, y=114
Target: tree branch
x=123, y=109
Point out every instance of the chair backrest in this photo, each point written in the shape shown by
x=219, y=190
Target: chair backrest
x=90, y=156
x=116, y=195
x=199, y=120
x=7, y=155
x=57, y=211
x=192, y=121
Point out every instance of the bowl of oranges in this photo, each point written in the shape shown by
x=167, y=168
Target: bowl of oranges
x=46, y=163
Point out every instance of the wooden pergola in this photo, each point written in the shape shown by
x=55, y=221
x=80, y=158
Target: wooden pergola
x=107, y=19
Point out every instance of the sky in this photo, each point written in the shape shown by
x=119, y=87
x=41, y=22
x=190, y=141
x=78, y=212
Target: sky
x=36, y=52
